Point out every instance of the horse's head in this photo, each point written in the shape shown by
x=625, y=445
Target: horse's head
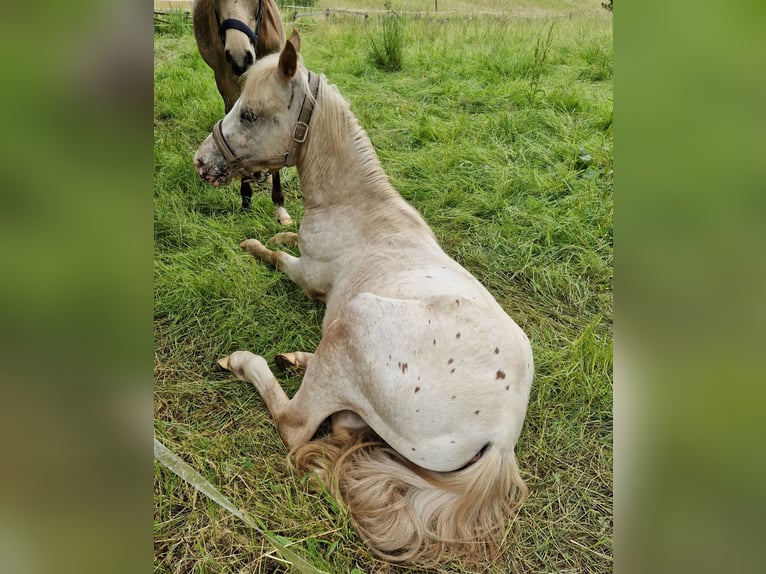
x=238, y=27
x=266, y=125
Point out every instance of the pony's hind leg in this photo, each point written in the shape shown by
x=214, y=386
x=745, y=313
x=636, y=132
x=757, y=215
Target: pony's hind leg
x=252, y=368
x=298, y=418
x=347, y=421
x=297, y=360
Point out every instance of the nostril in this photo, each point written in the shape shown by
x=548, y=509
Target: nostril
x=198, y=163
x=237, y=67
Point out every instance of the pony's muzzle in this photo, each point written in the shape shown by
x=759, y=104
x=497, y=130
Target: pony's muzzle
x=210, y=164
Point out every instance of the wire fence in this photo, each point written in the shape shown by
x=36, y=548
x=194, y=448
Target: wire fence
x=291, y=12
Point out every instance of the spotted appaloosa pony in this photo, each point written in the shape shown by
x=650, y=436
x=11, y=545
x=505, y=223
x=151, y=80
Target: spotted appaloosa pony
x=426, y=378
x=230, y=36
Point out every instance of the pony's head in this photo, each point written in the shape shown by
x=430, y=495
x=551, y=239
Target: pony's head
x=238, y=28
x=261, y=130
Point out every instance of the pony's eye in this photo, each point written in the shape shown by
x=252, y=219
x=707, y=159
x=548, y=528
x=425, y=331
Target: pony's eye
x=248, y=115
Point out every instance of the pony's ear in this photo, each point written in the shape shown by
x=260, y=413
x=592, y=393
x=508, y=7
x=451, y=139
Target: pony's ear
x=295, y=40
x=288, y=62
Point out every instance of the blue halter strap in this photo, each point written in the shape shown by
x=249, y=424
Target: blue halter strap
x=232, y=23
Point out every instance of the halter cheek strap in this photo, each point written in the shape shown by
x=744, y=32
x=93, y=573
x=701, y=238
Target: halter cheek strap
x=301, y=129
x=235, y=162
x=245, y=167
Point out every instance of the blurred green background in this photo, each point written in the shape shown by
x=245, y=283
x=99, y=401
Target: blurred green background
x=76, y=287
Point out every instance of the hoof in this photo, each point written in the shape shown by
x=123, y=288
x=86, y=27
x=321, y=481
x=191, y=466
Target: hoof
x=285, y=238
x=283, y=217
x=285, y=361
x=250, y=245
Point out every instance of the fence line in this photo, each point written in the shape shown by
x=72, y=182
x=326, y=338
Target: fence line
x=172, y=4
x=292, y=12
x=327, y=12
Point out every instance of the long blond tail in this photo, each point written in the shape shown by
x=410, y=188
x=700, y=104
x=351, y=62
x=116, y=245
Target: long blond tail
x=411, y=515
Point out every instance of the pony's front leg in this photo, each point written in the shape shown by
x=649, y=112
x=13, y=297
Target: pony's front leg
x=288, y=238
x=296, y=419
x=279, y=259
x=285, y=262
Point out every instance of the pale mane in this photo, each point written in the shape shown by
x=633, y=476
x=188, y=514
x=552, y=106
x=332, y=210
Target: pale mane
x=343, y=134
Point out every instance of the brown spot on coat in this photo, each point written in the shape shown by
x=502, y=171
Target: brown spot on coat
x=497, y=350
x=417, y=389
x=500, y=375
x=476, y=412
x=404, y=368
x=452, y=371
x=450, y=361
x=457, y=335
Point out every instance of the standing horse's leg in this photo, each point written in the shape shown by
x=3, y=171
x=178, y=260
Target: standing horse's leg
x=246, y=192
x=279, y=199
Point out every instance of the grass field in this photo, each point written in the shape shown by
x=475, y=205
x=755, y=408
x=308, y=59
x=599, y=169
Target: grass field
x=499, y=131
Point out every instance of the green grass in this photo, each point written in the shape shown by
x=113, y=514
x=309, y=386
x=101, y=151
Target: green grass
x=385, y=42
x=498, y=177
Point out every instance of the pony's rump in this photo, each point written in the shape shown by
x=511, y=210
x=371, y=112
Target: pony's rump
x=411, y=515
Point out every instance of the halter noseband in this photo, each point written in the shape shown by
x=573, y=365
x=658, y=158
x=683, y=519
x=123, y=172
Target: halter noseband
x=233, y=23
x=300, y=133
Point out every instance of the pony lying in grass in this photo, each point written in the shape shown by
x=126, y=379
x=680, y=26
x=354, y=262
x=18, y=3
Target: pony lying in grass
x=231, y=35
x=426, y=378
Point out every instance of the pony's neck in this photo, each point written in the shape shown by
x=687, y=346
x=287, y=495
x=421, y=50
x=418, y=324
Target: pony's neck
x=338, y=164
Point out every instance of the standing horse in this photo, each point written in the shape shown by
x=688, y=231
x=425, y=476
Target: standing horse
x=231, y=35
x=426, y=378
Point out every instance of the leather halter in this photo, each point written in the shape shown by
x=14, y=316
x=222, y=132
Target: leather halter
x=233, y=23
x=246, y=167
